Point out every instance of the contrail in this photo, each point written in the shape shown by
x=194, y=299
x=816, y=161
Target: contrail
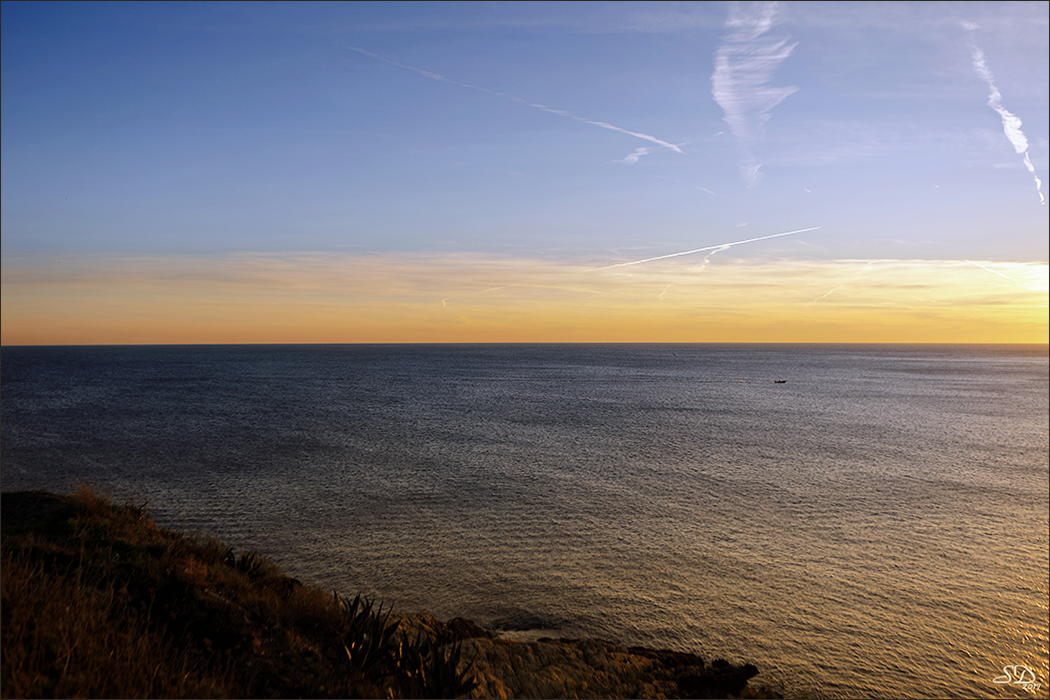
x=721, y=246
x=534, y=105
x=996, y=272
x=714, y=248
x=744, y=65
x=829, y=293
x=1011, y=123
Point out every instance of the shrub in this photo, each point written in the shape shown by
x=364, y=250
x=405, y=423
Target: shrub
x=98, y=601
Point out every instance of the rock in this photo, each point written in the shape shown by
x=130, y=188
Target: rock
x=574, y=668
x=421, y=625
x=591, y=668
x=461, y=628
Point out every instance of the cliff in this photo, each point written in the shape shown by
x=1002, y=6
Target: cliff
x=97, y=600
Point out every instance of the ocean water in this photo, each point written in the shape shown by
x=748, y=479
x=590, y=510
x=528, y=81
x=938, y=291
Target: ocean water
x=874, y=526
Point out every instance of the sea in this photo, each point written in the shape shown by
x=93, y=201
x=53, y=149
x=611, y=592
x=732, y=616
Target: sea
x=855, y=520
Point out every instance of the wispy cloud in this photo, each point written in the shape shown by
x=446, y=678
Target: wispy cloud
x=467, y=298
x=744, y=65
x=544, y=108
x=634, y=157
x=1011, y=122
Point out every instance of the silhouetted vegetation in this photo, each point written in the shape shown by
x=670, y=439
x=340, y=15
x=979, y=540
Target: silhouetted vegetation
x=98, y=601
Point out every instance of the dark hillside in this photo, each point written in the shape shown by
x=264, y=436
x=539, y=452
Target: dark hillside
x=98, y=601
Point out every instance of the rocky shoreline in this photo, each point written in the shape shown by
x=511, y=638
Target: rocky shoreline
x=99, y=601
x=579, y=668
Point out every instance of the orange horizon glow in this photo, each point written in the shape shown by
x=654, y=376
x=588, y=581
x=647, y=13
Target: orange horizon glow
x=318, y=298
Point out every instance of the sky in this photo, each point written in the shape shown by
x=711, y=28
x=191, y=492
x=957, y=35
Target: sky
x=524, y=172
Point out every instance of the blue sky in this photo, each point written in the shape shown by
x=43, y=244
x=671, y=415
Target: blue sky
x=586, y=134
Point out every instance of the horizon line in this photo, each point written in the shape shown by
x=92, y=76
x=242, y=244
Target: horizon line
x=515, y=342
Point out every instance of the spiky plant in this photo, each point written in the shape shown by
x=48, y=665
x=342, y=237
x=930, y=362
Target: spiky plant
x=420, y=667
x=433, y=670
x=369, y=636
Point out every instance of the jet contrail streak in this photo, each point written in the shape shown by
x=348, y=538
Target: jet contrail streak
x=720, y=246
x=996, y=272
x=1011, y=122
x=744, y=65
x=534, y=105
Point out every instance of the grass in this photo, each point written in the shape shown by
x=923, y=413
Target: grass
x=98, y=601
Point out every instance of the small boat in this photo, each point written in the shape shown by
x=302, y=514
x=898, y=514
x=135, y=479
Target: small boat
x=780, y=381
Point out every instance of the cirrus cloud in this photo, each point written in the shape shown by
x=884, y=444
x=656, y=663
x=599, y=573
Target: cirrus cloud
x=744, y=65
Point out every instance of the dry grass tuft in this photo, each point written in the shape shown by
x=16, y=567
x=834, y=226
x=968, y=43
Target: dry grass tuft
x=74, y=631
x=98, y=601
